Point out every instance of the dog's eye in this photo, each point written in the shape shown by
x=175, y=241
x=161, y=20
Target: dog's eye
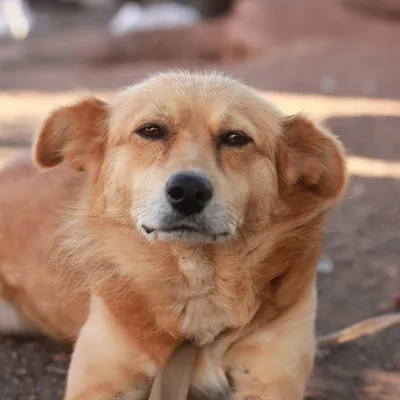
x=234, y=139
x=152, y=131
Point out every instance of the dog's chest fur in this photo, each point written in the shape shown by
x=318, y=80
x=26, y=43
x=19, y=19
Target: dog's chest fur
x=205, y=305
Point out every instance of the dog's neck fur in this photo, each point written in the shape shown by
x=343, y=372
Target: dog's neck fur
x=195, y=292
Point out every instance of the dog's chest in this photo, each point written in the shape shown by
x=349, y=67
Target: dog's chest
x=204, y=310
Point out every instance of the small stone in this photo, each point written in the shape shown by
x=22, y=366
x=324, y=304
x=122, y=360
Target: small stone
x=325, y=265
x=322, y=353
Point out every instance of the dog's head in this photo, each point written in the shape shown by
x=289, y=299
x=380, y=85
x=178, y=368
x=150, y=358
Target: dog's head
x=193, y=158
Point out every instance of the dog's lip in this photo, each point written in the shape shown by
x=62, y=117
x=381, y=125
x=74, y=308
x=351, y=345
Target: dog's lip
x=182, y=228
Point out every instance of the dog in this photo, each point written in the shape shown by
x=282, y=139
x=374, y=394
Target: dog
x=188, y=208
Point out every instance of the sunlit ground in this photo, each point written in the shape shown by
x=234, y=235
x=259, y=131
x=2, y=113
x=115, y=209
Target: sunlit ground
x=21, y=113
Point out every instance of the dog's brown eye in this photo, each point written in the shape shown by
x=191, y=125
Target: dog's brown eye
x=153, y=132
x=234, y=139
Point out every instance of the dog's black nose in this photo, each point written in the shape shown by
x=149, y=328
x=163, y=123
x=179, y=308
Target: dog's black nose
x=189, y=193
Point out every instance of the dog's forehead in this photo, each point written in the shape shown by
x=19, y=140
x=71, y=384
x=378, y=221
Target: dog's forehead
x=211, y=97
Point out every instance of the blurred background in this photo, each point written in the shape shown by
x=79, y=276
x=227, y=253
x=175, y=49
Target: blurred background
x=337, y=60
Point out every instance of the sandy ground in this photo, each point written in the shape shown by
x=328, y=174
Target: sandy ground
x=353, y=85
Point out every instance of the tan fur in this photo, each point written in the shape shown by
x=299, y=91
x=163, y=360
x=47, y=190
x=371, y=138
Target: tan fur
x=248, y=300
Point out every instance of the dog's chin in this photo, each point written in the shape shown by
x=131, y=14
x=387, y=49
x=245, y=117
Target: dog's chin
x=184, y=235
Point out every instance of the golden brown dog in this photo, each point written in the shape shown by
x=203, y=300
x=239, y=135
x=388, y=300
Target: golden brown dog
x=188, y=208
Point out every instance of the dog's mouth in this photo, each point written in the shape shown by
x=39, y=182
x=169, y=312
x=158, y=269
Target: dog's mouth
x=185, y=233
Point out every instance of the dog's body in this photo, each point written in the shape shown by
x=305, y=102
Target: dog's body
x=30, y=213
x=198, y=216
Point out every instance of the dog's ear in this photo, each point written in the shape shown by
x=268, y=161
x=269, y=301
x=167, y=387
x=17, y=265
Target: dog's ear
x=73, y=134
x=310, y=160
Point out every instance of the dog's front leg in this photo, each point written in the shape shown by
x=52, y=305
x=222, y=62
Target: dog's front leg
x=107, y=363
x=274, y=362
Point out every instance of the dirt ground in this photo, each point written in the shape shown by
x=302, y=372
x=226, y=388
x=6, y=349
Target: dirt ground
x=350, y=81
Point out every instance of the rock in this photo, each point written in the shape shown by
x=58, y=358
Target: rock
x=325, y=265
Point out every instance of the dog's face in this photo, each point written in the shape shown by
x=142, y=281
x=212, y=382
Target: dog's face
x=192, y=158
x=196, y=153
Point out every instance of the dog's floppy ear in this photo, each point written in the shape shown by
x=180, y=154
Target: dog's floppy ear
x=310, y=160
x=71, y=133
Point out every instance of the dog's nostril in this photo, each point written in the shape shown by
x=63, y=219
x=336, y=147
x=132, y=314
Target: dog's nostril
x=176, y=193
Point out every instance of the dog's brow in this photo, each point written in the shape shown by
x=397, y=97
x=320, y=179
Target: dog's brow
x=235, y=121
x=160, y=106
